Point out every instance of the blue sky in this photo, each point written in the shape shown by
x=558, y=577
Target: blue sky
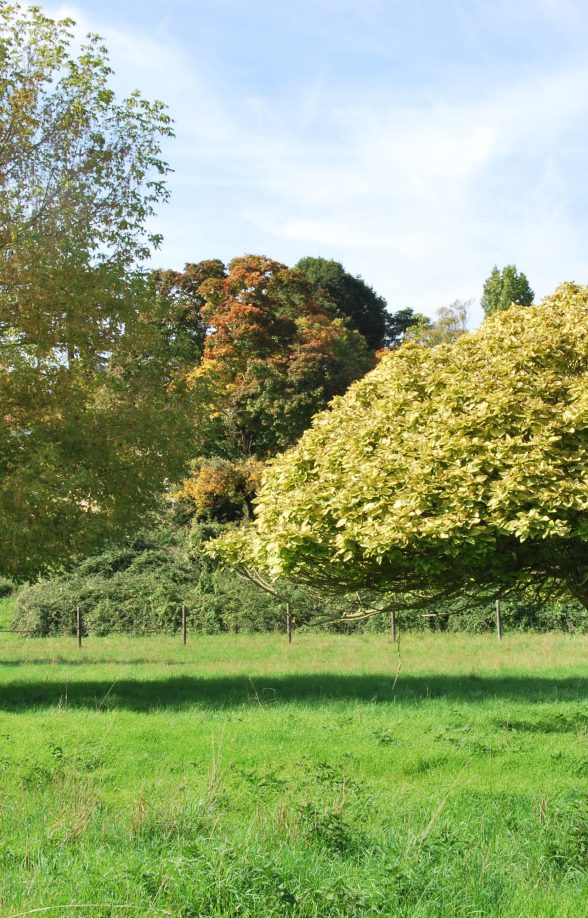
x=419, y=143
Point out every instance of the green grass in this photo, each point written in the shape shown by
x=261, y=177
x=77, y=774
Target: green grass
x=239, y=776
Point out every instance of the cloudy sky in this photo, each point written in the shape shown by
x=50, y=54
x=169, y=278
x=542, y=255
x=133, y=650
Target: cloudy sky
x=419, y=142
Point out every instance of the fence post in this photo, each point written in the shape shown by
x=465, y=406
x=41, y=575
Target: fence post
x=184, y=624
x=289, y=622
x=498, y=620
x=393, y=627
x=79, y=626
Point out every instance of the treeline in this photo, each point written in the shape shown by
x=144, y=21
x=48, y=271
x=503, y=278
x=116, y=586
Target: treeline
x=139, y=409
x=269, y=347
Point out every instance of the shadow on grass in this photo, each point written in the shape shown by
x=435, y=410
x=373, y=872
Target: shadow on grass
x=183, y=692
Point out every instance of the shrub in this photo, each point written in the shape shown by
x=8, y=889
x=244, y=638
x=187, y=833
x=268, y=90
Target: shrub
x=6, y=587
x=140, y=585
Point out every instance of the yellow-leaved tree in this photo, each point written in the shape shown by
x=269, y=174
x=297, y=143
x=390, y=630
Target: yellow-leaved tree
x=447, y=471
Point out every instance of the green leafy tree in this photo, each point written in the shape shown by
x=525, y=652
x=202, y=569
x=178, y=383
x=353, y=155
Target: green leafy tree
x=448, y=471
x=399, y=325
x=364, y=309
x=92, y=400
x=182, y=302
x=503, y=288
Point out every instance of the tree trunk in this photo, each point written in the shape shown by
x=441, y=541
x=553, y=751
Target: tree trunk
x=580, y=592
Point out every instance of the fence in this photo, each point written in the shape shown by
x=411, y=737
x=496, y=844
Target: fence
x=79, y=628
x=394, y=630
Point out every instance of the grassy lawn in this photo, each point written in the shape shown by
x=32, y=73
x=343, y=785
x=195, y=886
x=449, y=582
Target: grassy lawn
x=335, y=777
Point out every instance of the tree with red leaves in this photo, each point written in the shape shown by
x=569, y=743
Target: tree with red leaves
x=275, y=354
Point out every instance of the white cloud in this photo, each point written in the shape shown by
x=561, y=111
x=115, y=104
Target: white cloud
x=420, y=194
x=160, y=67
x=404, y=198
x=558, y=12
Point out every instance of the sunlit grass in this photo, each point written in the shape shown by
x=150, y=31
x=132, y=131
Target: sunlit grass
x=338, y=776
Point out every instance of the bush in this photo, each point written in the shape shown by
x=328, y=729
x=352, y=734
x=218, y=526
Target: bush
x=140, y=585
x=7, y=587
x=519, y=615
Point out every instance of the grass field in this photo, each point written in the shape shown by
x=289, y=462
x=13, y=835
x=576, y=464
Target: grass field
x=239, y=776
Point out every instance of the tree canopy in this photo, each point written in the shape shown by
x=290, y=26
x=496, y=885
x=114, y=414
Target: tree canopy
x=364, y=309
x=400, y=323
x=93, y=414
x=458, y=469
x=274, y=355
x=182, y=302
x=505, y=287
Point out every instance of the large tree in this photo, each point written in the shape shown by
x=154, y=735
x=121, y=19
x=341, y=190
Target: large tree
x=505, y=287
x=179, y=295
x=399, y=325
x=455, y=470
x=275, y=354
x=363, y=308
x=92, y=403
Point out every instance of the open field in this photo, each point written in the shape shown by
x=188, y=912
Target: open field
x=336, y=777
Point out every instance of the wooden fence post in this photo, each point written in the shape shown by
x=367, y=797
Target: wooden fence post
x=498, y=620
x=79, y=626
x=184, y=625
x=393, y=627
x=289, y=622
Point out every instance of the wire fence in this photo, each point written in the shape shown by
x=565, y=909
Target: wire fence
x=80, y=634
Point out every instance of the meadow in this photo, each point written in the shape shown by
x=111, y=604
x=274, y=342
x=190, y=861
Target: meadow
x=338, y=776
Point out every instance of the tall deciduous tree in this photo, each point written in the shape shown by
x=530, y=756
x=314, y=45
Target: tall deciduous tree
x=505, y=287
x=275, y=355
x=399, y=325
x=182, y=302
x=91, y=413
x=461, y=469
x=364, y=309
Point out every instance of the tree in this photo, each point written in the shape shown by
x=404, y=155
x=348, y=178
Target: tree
x=503, y=288
x=179, y=293
x=450, y=323
x=93, y=407
x=364, y=309
x=275, y=355
x=221, y=489
x=456, y=470
x=399, y=323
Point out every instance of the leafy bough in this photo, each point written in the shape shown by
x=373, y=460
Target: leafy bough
x=455, y=473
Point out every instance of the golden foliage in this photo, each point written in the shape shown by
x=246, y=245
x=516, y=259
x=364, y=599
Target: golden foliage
x=459, y=467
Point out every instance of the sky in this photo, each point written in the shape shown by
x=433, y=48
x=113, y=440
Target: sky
x=418, y=142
